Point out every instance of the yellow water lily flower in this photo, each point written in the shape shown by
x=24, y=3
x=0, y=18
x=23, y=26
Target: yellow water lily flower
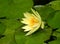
x=32, y=22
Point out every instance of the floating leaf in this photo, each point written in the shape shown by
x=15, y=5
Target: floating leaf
x=2, y=28
x=11, y=26
x=37, y=38
x=14, y=8
x=55, y=22
x=55, y=5
x=57, y=41
x=44, y=11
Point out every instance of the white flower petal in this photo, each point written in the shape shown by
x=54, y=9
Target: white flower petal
x=36, y=14
x=32, y=31
x=42, y=25
x=32, y=21
x=25, y=21
x=27, y=15
x=26, y=27
x=27, y=30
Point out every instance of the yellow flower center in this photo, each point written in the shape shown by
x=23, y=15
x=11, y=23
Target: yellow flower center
x=33, y=21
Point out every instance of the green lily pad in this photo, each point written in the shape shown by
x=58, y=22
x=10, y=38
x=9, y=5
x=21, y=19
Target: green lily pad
x=2, y=28
x=36, y=38
x=11, y=26
x=14, y=8
x=57, y=0
x=44, y=11
x=55, y=22
x=55, y=5
x=57, y=41
x=58, y=30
